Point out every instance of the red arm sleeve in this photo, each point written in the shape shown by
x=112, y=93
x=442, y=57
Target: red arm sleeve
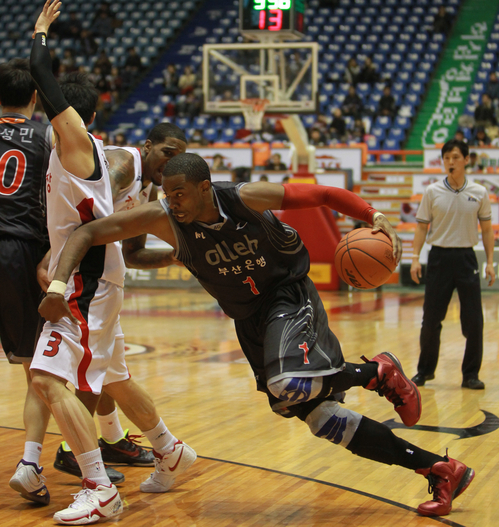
x=305, y=196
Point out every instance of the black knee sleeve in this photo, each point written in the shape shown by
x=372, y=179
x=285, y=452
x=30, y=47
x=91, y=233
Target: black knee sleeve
x=376, y=441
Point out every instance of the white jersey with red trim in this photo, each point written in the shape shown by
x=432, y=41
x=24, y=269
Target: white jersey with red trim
x=133, y=195
x=71, y=202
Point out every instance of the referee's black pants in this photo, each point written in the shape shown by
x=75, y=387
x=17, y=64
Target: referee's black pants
x=449, y=269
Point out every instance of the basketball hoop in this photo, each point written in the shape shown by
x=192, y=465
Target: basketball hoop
x=253, y=111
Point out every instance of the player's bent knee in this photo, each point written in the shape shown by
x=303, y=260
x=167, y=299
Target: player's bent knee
x=296, y=389
x=333, y=422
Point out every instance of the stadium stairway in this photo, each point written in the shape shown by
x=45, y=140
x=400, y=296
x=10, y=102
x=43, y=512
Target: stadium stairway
x=191, y=38
x=446, y=98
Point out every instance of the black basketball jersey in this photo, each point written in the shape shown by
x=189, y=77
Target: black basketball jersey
x=24, y=155
x=243, y=259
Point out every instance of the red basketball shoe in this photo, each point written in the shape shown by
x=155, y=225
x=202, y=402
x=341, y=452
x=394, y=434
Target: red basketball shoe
x=447, y=480
x=391, y=382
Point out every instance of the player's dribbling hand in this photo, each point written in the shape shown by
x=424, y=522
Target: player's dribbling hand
x=382, y=224
x=54, y=307
x=49, y=13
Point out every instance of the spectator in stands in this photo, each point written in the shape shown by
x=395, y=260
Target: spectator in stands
x=352, y=104
x=263, y=177
x=241, y=175
x=474, y=166
x=189, y=106
x=321, y=124
x=114, y=79
x=187, y=80
x=443, y=21
x=338, y=128
x=481, y=138
x=133, y=61
x=386, y=106
x=88, y=45
x=120, y=140
x=492, y=89
x=218, y=163
x=104, y=137
x=71, y=28
x=68, y=61
x=56, y=63
x=293, y=67
x=368, y=72
x=317, y=138
x=170, y=78
x=103, y=63
x=197, y=139
x=105, y=7
x=459, y=136
x=358, y=132
x=228, y=95
x=352, y=71
x=275, y=163
x=484, y=113
x=95, y=75
x=103, y=26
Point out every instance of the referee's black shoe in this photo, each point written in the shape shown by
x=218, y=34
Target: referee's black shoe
x=65, y=461
x=473, y=384
x=419, y=379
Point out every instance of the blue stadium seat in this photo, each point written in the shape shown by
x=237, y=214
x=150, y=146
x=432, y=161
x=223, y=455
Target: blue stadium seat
x=397, y=134
x=379, y=133
x=137, y=136
x=211, y=134
x=228, y=135
x=384, y=122
x=402, y=122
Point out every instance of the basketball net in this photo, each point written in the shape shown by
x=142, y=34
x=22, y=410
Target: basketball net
x=253, y=111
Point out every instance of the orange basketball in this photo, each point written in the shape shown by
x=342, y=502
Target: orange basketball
x=365, y=260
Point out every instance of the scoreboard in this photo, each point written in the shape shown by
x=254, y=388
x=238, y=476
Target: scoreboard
x=282, y=19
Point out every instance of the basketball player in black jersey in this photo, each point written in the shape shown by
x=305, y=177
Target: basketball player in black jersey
x=256, y=267
x=24, y=154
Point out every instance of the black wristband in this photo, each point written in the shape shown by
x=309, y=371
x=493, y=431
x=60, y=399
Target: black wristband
x=41, y=70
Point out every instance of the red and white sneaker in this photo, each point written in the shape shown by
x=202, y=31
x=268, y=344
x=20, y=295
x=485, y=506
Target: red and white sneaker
x=92, y=504
x=168, y=468
x=447, y=480
x=391, y=382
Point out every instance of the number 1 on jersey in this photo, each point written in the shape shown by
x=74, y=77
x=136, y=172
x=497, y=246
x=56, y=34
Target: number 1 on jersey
x=251, y=282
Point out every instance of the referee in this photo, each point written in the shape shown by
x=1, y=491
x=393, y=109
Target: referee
x=451, y=208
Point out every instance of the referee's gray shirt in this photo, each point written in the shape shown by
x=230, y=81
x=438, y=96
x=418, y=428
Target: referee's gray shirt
x=453, y=214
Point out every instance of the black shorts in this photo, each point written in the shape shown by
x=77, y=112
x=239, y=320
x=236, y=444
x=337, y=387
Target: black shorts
x=290, y=337
x=20, y=294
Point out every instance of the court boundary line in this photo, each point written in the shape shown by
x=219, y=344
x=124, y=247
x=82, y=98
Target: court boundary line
x=437, y=519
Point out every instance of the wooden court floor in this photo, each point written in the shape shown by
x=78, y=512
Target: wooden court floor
x=256, y=469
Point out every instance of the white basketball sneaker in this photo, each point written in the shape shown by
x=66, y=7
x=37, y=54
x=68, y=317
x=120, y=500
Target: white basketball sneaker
x=28, y=480
x=168, y=468
x=92, y=504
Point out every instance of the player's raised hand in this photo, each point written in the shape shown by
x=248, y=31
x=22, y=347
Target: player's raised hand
x=382, y=224
x=49, y=13
x=54, y=307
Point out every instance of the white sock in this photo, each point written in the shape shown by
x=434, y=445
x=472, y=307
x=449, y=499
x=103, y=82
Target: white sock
x=92, y=467
x=32, y=452
x=110, y=427
x=161, y=438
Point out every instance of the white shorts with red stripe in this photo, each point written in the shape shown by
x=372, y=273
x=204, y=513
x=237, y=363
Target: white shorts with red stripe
x=92, y=354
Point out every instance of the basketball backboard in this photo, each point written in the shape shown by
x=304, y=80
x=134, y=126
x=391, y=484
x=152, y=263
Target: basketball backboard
x=283, y=73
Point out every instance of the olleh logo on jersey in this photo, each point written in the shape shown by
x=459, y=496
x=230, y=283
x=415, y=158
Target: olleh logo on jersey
x=223, y=252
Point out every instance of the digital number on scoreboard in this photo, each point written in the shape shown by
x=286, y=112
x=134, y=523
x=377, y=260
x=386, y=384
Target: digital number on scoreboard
x=278, y=16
